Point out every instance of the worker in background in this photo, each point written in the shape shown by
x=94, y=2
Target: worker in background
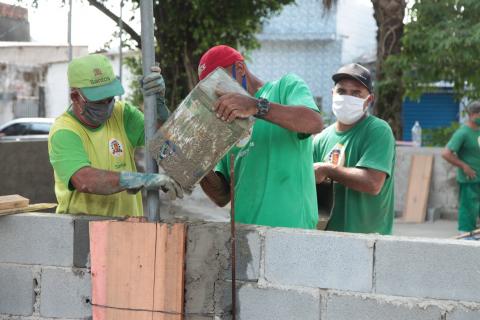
x=463, y=151
x=91, y=146
x=357, y=153
x=274, y=183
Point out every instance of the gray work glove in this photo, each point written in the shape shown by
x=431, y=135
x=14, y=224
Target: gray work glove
x=152, y=84
x=134, y=181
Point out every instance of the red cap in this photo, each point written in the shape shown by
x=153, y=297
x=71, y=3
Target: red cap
x=218, y=56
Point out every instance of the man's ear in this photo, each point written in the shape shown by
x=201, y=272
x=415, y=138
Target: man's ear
x=240, y=68
x=74, y=95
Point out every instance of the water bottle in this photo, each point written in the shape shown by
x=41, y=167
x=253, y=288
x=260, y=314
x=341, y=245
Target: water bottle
x=417, y=135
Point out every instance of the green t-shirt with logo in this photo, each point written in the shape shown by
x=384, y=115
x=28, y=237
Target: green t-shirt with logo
x=72, y=146
x=274, y=179
x=369, y=144
x=465, y=142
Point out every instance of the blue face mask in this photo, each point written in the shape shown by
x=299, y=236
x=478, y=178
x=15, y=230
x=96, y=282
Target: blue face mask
x=244, y=80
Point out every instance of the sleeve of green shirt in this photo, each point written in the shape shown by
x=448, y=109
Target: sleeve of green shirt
x=67, y=155
x=378, y=150
x=296, y=92
x=317, y=144
x=223, y=167
x=133, y=121
x=456, y=141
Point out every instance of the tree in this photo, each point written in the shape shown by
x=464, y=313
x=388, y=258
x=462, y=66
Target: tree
x=185, y=29
x=441, y=43
x=389, y=15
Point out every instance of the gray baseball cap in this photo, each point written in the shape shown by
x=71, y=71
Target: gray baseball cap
x=356, y=72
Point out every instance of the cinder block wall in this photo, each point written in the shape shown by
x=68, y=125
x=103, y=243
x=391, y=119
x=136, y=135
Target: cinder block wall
x=443, y=187
x=287, y=274
x=282, y=273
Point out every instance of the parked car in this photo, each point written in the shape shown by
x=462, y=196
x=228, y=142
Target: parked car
x=26, y=129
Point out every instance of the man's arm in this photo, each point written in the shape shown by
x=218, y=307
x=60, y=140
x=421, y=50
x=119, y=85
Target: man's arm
x=216, y=187
x=295, y=118
x=96, y=181
x=103, y=182
x=360, y=179
x=452, y=158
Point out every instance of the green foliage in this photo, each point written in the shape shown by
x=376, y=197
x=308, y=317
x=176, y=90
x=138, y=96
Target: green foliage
x=438, y=137
x=441, y=43
x=134, y=64
x=185, y=29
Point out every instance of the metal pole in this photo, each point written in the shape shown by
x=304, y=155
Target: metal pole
x=148, y=60
x=120, y=56
x=70, y=53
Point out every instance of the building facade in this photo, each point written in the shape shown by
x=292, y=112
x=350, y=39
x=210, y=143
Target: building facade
x=313, y=43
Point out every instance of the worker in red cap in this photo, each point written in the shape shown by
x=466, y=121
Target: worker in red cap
x=274, y=181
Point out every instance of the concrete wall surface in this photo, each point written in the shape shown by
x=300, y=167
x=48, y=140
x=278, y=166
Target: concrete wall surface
x=281, y=273
x=443, y=187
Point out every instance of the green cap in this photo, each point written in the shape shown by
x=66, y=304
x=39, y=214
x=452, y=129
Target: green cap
x=93, y=75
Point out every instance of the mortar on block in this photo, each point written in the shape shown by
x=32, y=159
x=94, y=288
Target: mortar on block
x=193, y=140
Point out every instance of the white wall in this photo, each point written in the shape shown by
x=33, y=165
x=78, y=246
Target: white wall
x=313, y=61
x=28, y=53
x=357, y=26
x=302, y=20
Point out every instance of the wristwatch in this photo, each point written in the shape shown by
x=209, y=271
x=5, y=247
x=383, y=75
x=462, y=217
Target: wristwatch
x=263, y=106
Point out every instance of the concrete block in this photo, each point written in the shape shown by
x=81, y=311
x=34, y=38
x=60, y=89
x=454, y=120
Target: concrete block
x=319, y=259
x=437, y=269
x=16, y=290
x=208, y=263
x=278, y=304
x=464, y=314
x=65, y=293
x=361, y=307
x=45, y=239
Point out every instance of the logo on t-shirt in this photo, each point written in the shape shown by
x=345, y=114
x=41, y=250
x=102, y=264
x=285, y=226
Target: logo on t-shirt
x=116, y=148
x=337, y=155
x=243, y=142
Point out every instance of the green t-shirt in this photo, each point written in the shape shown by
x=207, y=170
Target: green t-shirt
x=274, y=180
x=73, y=146
x=465, y=142
x=369, y=144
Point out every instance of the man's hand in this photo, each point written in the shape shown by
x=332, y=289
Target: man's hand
x=134, y=181
x=230, y=106
x=469, y=172
x=321, y=169
x=153, y=83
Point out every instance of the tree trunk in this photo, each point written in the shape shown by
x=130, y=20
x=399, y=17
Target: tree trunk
x=389, y=15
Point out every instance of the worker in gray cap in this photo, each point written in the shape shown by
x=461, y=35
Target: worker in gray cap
x=357, y=155
x=463, y=151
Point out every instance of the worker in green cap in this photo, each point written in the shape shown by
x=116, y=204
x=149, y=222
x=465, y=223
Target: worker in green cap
x=463, y=151
x=91, y=145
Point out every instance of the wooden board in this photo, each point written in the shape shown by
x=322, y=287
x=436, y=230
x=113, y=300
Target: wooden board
x=13, y=201
x=169, y=272
x=418, y=189
x=137, y=268
x=29, y=208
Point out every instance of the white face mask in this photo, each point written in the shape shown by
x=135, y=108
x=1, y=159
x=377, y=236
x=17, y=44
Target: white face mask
x=347, y=109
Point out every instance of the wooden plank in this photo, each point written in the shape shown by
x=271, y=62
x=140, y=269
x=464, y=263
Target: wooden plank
x=29, y=208
x=418, y=189
x=169, y=272
x=13, y=201
x=123, y=263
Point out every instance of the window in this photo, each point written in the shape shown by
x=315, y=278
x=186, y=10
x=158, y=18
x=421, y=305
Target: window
x=16, y=129
x=39, y=128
